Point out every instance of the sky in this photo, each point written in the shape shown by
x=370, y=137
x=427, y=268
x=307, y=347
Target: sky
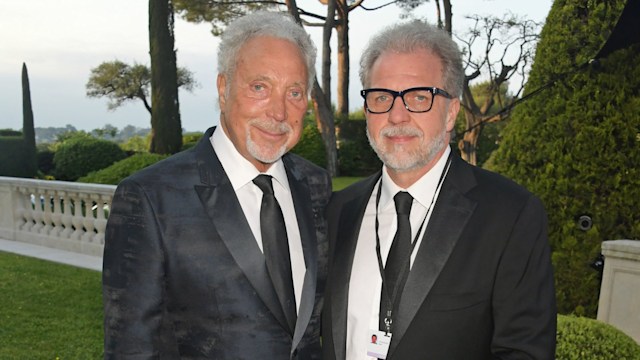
x=61, y=41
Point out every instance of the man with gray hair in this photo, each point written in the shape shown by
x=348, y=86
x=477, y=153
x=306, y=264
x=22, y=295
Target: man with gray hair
x=220, y=252
x=434, y=257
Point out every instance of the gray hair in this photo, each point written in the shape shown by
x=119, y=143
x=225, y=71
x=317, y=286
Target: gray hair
x=264, y=23
x=411, y=36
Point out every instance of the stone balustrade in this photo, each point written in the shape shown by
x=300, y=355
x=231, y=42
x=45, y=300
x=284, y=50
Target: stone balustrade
x=58, y=214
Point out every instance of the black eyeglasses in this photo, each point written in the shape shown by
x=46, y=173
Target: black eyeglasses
x=416, y=100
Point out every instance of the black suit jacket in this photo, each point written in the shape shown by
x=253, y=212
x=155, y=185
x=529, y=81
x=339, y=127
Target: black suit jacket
x=183, y=275
x=481, y=286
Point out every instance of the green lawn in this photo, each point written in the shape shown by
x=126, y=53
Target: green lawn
x=340, y=183
x=49, y=310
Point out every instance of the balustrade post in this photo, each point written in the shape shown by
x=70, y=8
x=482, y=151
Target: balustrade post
x=56, y=216
x=88, y=220
x=38, y=214
x=22, y=213
x=77, y=219
x=48, y=196
x=67, y=215
x=104, y=202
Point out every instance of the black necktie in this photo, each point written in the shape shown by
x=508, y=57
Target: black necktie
x=276, y=248
x=397, y=259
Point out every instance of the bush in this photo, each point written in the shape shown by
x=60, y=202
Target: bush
x=44, y=159
x=121, y=169
x=137, y=143
x=10, y=132
x=576, y=144
x=190, y=140
x=14, y=157
x=311, y=146
x=581, y=338
x=77, y=156
x=355, y=155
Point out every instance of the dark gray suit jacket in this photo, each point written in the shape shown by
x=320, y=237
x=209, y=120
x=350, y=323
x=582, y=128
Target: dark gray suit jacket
x=184, y=277
x=481, y=286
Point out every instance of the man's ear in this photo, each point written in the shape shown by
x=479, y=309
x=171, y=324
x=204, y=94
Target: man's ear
x=222, y=87
x=452, y=113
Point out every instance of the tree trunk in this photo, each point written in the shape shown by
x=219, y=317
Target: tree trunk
x=28, y=130
x=166, y=128
x=343, y=59
x=469, y=144
x=448, y=16
x=327, y=30
x=327, y=127
x=322, y=107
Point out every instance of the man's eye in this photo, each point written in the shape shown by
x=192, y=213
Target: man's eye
x=258, y=87
x=382, y=98
x=296, y=94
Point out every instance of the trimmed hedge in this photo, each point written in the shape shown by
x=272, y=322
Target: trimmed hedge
x=190, y=140
x=580, y=338
x=576, y=144
x=14, y=154
x=121, y=169
x=311, y=146
x=355, y=155
x=78, y=156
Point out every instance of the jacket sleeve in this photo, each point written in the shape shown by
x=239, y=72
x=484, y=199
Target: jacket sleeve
x=133, y=291
x=524, y=298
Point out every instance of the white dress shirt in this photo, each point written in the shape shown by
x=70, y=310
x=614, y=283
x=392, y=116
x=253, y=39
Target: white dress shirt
x=366, y=282
x=241, y=174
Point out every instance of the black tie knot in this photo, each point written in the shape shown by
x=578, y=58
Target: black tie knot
x=403, y=202
x=264, y=183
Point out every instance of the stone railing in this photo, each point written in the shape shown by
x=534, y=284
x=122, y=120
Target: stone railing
x=620, y=290
x=58, y=214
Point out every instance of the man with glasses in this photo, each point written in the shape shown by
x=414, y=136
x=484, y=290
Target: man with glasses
x=436, y=258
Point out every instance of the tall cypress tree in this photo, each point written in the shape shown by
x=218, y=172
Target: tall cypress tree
x=577, y=144
x=28, y=131
x=166, y=128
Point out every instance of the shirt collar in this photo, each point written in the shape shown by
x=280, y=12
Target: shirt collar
x=422, y=190
x=238, y=169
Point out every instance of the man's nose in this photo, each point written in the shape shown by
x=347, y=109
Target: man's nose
x=398, y=113
x=277, y=106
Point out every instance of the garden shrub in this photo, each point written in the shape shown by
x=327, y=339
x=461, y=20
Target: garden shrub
x=10, y=132
x=121, y=169
x=44, y=158
x=355, y=155
x=137, y=143
x=78, y=156
x=190, y=140
x=580, y=338
x=13, y=156
x=311, y=146
x=577, y=144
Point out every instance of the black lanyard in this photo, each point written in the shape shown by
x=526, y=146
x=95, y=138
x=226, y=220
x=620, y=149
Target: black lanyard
x=390, y=298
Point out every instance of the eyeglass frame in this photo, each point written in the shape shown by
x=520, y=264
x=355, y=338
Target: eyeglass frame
x=433, y=90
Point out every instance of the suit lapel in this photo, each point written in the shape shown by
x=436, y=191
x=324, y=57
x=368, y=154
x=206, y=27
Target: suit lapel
x=221, y=205
x=450, y=215
x=348, y=229
x=302, y=204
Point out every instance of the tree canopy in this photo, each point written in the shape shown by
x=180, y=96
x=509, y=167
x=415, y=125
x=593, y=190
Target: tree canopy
x=120, y=82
